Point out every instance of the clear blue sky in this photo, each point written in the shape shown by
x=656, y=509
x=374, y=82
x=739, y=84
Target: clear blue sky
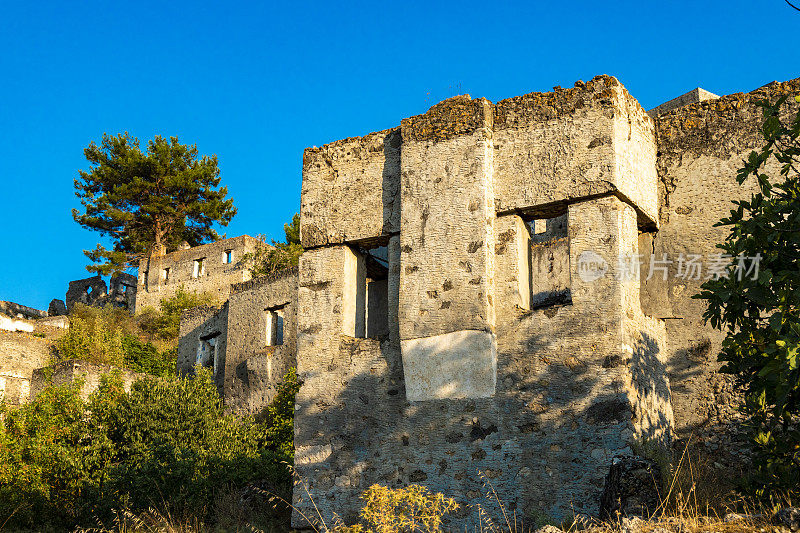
x=256, y=83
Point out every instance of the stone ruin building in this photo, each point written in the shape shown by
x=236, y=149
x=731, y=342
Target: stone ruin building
x=495, y=292
x=27, y=336
x=503, y=288
x=210, y=268
x=249, y=342
x=93, y=291
x=476, y=314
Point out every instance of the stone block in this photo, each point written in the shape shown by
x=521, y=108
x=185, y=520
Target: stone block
x=57, y=307
x=631, y=489
x=590, y=140
x=447, y=237
x=461, y=364
x=350, y=190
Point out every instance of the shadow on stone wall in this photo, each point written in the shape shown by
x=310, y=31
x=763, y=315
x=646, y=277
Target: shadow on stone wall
x=544, y=441
x=652, y=386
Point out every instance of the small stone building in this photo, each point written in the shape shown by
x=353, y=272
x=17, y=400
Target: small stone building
x=248, y=342
x=209, y=268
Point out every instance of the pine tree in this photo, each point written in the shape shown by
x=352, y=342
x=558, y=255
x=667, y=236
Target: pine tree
x=144, y=201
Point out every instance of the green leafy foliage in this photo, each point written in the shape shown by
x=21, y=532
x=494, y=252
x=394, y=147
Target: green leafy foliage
x=145, y=200
x=164, y=324
x=279, y=417
x=166, y=444
x=268, y=259
x=109, y=335
x=761, y=313
x=92, y=336
x=144, y=357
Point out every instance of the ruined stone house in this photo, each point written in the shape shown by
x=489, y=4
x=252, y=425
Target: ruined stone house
x=496, y=292
x=93, y=291
x=249, y=343
x=209, y=268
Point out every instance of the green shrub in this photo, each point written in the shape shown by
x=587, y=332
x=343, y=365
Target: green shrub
x=164, y=324
x=166, y=444
x=278, y=417
x=109, y=335
x=759, y=311
x=146, y=358
x=92, y=337
x=280, y=255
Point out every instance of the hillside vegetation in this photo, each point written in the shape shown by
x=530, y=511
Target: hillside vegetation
x=145, y=343
x=167, y=444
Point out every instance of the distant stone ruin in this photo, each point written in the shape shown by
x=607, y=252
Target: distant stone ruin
x=93, y=291
x=210, y=268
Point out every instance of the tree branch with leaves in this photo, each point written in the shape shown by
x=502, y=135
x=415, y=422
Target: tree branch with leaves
x=268, y=259
x=761, y=314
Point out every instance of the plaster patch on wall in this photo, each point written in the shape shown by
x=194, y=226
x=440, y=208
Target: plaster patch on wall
x=461, y=364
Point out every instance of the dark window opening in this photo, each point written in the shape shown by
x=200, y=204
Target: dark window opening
x=366, y=293
x=273, y=318
x=549, y=262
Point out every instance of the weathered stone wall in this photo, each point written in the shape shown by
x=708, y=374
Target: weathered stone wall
x=22, y=352
x=446, y=303
x=15, y=310
x=72, y=370
x=363, y=168
x=198, y=325
x=701, y=146
x=593, y=139
x=582, y=382
x=253, y=368
x=122, y=290
x=87, y=291
x=161, y=276
x=94, y=291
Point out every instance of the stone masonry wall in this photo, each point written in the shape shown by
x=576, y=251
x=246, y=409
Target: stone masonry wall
x=197, y=324
x=252, y=368
x=162, y=276
x=366, y=168
x=701, y=146
x=21, y=353
x=592, y=139
x=72, y=370
x=446, y=311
